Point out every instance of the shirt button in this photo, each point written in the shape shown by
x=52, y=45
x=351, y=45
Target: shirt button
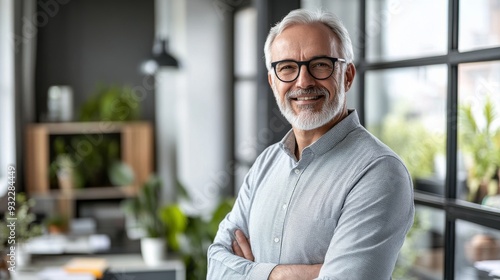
x=276, y=240
x=285, y=206
x=297, y=171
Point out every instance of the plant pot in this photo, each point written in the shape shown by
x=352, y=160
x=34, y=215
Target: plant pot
x=4, y=266
x=23, y=256
x=153, y=250
x=482, y=247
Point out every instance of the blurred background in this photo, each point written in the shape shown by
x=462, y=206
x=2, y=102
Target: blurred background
x=112, y=111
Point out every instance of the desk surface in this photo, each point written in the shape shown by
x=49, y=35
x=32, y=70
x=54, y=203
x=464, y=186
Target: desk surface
x=132, y=263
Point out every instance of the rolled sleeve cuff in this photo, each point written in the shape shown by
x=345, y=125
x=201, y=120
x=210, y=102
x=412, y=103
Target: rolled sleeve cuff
x=261, y=271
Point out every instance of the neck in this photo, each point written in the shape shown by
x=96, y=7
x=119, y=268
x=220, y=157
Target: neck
x=304, y=138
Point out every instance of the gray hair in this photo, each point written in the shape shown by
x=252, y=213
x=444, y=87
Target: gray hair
x=301, y=16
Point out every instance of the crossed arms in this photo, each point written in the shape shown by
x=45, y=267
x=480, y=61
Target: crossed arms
x=241, y=247
x=367, y=236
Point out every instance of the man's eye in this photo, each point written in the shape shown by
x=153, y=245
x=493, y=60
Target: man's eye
x=287, y=67
x=321, y=65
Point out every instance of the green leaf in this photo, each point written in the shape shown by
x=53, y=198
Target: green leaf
x=173, y=217
x=120, y=174
x=489, y=114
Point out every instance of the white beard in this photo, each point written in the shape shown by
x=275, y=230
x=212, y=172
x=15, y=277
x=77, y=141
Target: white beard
x=307, y=118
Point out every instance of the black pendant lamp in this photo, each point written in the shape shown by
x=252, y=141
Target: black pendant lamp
x=161, y=56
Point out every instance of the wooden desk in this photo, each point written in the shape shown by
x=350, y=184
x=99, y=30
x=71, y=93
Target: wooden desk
x=123, y=265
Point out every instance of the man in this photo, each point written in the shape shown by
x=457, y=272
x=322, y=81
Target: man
x=329, y=201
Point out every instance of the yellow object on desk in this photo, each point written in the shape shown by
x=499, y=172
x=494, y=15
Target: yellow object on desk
x=95, y=266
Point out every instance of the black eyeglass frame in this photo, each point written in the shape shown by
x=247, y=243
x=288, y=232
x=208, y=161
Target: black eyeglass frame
x=306, y=63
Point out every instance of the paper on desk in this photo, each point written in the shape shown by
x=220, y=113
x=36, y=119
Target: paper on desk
x=60, y=244
x=490, y=266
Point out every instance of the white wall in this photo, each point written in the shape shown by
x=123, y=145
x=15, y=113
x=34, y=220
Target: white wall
x=197, y=94
x=7, y=129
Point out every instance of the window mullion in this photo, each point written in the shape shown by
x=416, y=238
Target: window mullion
x=451, y=141
x=362, y=61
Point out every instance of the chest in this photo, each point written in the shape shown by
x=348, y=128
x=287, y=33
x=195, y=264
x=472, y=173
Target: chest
x=295, y=210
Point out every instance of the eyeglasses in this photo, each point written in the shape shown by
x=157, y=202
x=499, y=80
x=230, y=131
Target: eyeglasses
x=320, y=68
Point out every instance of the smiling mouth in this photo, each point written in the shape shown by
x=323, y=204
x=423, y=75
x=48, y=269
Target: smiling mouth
x=307, y=98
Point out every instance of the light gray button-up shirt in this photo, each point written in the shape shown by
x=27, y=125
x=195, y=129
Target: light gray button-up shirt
x=346, y=204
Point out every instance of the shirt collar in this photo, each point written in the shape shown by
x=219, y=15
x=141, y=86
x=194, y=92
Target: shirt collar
x=328, y=140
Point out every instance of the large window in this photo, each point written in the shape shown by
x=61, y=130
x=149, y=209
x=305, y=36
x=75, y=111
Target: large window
x=428, y=85
x=246, y=133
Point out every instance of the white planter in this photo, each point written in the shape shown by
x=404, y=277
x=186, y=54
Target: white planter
x=153, y=250
x=23, y=256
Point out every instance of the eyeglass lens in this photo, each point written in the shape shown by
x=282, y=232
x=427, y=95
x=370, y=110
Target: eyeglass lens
x=320, y=68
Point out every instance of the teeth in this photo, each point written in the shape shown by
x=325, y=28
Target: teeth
x=307, y=98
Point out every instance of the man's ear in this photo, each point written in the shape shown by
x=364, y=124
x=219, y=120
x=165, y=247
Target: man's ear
x=349, y=76
x=270, y=79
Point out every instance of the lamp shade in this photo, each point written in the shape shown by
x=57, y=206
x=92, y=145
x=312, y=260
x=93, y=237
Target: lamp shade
x=161, y=54
x=160, y=58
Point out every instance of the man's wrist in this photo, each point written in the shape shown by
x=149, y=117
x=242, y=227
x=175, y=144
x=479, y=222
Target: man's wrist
x=300, y=271
x=277, y=273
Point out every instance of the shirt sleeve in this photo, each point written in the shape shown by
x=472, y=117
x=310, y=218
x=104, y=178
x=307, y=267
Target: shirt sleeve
x=377, y=214
x=222, y=262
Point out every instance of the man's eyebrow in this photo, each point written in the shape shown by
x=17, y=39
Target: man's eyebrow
x=319, y=56
x=314, y=57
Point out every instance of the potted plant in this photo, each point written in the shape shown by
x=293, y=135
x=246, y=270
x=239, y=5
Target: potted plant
x=111, y=103
x=197, y=234
x=13, y=239
x=101, y=165
x=481, y=144
x=56, y=224
x=145, y=209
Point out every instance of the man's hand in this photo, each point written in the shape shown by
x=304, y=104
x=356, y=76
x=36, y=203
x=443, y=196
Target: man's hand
x=241, y=246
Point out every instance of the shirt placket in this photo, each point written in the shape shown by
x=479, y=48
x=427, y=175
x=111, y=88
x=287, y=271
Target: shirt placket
x=284, y=207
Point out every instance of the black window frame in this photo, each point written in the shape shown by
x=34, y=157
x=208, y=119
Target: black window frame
x=453, y=208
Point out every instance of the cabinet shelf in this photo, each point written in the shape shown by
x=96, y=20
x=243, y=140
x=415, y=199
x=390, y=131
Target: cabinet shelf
x=136, y=150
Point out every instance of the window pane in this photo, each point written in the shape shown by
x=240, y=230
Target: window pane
x=245, y=43
x=406, y=109
x=406, y=29
x=422, y=255
x=476, y=249
x=479, y=24
x=245, y=121
x=479, y=132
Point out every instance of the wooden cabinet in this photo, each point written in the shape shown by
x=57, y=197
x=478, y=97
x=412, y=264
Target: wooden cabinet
x=136, y=150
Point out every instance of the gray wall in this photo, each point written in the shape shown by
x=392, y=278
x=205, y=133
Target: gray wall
x=86, y=42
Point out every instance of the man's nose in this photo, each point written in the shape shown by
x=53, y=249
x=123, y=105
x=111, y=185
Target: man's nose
x=304, y=80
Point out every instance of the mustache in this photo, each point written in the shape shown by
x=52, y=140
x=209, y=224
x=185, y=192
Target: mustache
x=310, y=91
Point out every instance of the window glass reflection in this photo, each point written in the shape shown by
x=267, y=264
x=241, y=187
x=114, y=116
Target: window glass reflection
x=477, y=250
x=406, y=109
x=479, y=22
x=422, y=255
x=479, y=132
x=401, y=29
